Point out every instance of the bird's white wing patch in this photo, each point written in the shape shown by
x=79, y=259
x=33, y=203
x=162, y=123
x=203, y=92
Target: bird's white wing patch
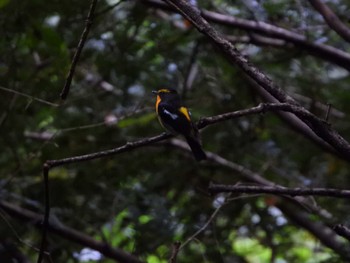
x=172, y=115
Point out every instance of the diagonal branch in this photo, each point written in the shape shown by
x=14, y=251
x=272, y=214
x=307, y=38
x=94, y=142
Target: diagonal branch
x=320, y=229
x=321, y=128
x=342, y=230
x=49, y=164
x=69, y=233
x=81, y=44
x=332, y=19
x=219, y=188
x=293, y=121
x=326, y=52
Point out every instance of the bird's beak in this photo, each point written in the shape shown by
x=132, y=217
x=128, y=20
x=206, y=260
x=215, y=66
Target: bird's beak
x=154, y=92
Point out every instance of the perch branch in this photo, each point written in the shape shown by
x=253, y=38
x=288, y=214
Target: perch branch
x=234, y=56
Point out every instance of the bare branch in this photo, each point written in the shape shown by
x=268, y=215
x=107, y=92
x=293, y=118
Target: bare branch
x=175, y=251
x=147, y=141
x=204, y=227
x=191, y=71
x=81, y=44
x=218, y=188
x=29, y=96
x=253, y=177
x=328, y=53
x=295, y=122
x=342, y=230
x=68, y=233
x=233, y=55
x=43, y=244
x=319, y=229
x=332, y=19
x=323, y=232
x=126, y=147
x=53, y=163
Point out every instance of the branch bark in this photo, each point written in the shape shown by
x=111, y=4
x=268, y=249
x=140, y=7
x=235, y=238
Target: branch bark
x=343, y=231
x=49, y=164
x=89, y=20
x=69, y=233
x=220, y=188
x=325, y=52
x=319, y=229
x=322, y=129
x=331, y=19
x=324, y=233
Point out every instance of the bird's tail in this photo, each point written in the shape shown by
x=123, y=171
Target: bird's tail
x=196, y=148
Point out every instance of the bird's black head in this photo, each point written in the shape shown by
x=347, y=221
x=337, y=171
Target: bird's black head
x=165, y=91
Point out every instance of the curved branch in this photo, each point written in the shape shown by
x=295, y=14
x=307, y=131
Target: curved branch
x=325, y=52
x=69, y=233
x=332, y=19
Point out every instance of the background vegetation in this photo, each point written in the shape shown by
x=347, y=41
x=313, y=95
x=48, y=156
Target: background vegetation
x=134, y=206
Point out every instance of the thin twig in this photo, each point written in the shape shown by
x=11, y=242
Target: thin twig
x=68, y=233
x=220, y=188
x=29, y=96
x=148, y=141
x=326, y=52
x=175, y=251
x=321, y=230
x=15, y=232
x=211, y=218
x=254, y=177
x=108, y=8
x=80, y=46
x=192, y=70
x=320, y=128
x=43, y=245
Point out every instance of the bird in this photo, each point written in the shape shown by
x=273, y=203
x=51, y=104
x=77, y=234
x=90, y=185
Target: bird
x=176, y=118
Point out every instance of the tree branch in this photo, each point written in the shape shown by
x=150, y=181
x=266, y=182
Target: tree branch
x=319, y=229
x=175, y=251
x=324, y=233
x=147, y=141
x=68, y=233
x=328, y=53
x=295, y=122
x=332, y=19
x=233, y=55
x=219, y=188
x=342, y=230
x=81, y=44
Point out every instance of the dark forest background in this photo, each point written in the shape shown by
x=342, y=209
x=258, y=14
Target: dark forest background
x=153, y=202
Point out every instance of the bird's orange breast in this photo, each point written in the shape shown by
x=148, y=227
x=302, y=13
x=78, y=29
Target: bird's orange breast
x=157, y=103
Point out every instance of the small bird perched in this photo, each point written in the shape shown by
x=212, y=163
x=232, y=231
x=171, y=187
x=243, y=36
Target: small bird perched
x=176, y=118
